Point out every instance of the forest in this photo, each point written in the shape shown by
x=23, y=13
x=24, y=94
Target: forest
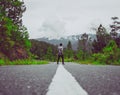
x=104, y=49
x=16, y=45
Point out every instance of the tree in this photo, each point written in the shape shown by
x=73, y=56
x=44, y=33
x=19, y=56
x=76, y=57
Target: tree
x=12, y=9
x=14, y=36
x=49, y=54
x=80, y=55
x=102, y=38
x=84, y=46
x=84, y=39
x=69, y=45
x=115, y=28
x=69, y=50
x=112, y=52
x=43, y=50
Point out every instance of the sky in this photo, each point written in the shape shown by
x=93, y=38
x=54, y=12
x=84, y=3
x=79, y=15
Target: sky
x=60, y=18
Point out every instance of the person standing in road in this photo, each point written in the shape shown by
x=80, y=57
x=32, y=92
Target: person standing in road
x=60, y=53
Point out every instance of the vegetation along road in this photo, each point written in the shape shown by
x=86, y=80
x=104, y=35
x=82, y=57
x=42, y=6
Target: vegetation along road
x=37, y=79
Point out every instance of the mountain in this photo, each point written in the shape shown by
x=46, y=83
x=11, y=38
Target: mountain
x=64, y=41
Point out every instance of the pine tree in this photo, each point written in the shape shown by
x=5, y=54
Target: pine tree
x=84, y=46
x=115, y=28
x=102, y=38
x=69, y=45
x=69, y=50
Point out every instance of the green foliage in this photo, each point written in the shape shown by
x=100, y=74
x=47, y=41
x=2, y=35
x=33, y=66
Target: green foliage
x=102, y=39
x=6, y=35
x=110, y=55
x=69, y=60
x=99, y=58
x=23, y=62
x=2, y=62
x=111, y=47
x=43, y=50
x=13, y=35
x=87, y=61
x=68, y=53
x=27, y=43
x=49, y=55
x=112, y=52
x=80, y=54
x=17, y=3
x=28, y=62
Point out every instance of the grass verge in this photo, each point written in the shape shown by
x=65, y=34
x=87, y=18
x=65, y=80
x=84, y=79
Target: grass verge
x=89, y=62
x=23, y=62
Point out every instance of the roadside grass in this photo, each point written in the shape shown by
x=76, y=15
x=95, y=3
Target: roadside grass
x=41, y=62
x=83, y=62
x=89, y=62
x=23, y=62
x=98, y=63
x=92, y=61
x=69, y=60
x=2, y=62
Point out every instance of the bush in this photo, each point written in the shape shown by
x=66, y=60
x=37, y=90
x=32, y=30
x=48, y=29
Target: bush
x=2, y=62
x=112, y=52
x=100, y=58
x=69, y=60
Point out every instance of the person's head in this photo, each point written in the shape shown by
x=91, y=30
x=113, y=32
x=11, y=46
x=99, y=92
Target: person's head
x=60, y=44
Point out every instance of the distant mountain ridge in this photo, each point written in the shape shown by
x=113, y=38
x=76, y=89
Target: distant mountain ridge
x=64, y=40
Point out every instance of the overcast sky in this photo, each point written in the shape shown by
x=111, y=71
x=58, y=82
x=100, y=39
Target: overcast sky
x=59, y=18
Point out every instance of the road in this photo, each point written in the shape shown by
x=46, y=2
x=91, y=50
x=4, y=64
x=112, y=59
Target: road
x=36, y=79
x=26, y=80
x=97, y=80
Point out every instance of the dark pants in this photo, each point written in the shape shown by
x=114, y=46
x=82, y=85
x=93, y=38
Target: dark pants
x=60, y=56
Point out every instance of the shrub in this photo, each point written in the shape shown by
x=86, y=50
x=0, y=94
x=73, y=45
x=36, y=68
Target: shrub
x=2, y=62
x=100, y=58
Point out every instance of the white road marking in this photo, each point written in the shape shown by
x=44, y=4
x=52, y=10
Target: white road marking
x=63, y=83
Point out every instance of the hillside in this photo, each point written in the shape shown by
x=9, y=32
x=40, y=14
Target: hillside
x=72, y=38
x=41, y=49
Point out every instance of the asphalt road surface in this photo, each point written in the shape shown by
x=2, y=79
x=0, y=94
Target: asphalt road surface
x=97, y=80
x=26, y=80
x=35, y=79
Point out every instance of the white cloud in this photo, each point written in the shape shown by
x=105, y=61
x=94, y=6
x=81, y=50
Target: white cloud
x=67, y=16
x=52, y=28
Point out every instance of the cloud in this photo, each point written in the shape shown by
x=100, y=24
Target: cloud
x=52, y=28
x=57, y=18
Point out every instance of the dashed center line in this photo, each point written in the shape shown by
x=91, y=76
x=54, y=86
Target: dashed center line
x=63, y=83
